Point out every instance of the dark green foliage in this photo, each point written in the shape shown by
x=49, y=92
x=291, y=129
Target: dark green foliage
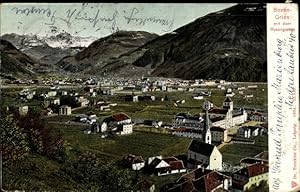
x=13, y=141
x=68, y=100
x=54, y=107
x=87, y=171
x=40, y=138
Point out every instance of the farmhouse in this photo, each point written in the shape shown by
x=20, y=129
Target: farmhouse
x=204, y=155
x=121, y=122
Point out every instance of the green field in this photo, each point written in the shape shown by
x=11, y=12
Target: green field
x=139, y=143
x=233, y=153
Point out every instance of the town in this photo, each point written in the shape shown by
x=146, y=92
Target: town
x=197, y=135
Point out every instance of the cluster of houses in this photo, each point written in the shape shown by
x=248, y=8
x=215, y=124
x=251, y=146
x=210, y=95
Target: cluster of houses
x=207, y=171
x=202, y=170
x=212, y=180
x=156, y=165
x=54, y=81
x=119, y=124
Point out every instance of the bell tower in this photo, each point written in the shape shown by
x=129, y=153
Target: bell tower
x=207, y=106
x=228, y=103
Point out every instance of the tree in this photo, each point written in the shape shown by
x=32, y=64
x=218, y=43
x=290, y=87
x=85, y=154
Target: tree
x=40, y=137
x=111, y=178
x=87, y=171
x=13, y=141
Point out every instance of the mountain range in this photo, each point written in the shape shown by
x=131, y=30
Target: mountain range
x=14, y=62
x=48, y=49
x=229, y=44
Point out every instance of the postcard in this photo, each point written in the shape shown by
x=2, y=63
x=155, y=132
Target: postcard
x=149, y=97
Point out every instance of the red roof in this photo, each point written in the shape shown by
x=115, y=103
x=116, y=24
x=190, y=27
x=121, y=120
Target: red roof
x=175, y=165
x=169, y=159
x=210, y=181
x=257, y=169
x=120, y=117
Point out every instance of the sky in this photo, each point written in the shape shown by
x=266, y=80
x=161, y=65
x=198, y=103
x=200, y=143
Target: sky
x=100, y=19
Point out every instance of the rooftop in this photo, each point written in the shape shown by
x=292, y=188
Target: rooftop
x=200, y=147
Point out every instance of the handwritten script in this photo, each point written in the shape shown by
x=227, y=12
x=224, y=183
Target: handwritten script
x=95, y=17
x=284, y=68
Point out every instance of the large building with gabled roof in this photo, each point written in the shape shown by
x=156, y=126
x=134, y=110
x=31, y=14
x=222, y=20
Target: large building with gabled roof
x=204, y=155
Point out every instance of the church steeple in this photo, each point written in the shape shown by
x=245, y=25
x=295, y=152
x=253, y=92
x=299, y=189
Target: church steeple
x=228, y=103
x=206, y=107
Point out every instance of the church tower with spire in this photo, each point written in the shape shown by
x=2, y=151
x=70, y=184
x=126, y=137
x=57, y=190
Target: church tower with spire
x=206, y=107
x=228, y=104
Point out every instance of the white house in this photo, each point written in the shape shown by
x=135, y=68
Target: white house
x=23, y=110
x=204, y=155
x=198, y=97
x=121, y=121
x=52, y=93
x=135, y=98
x=134, y=161
x=103, y=127
x=165, y=166
x=55, y=101
x=65, y=110
x=126, y=129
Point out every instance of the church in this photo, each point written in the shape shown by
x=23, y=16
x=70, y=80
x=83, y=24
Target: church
x=210, y=126
x=226, y=116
